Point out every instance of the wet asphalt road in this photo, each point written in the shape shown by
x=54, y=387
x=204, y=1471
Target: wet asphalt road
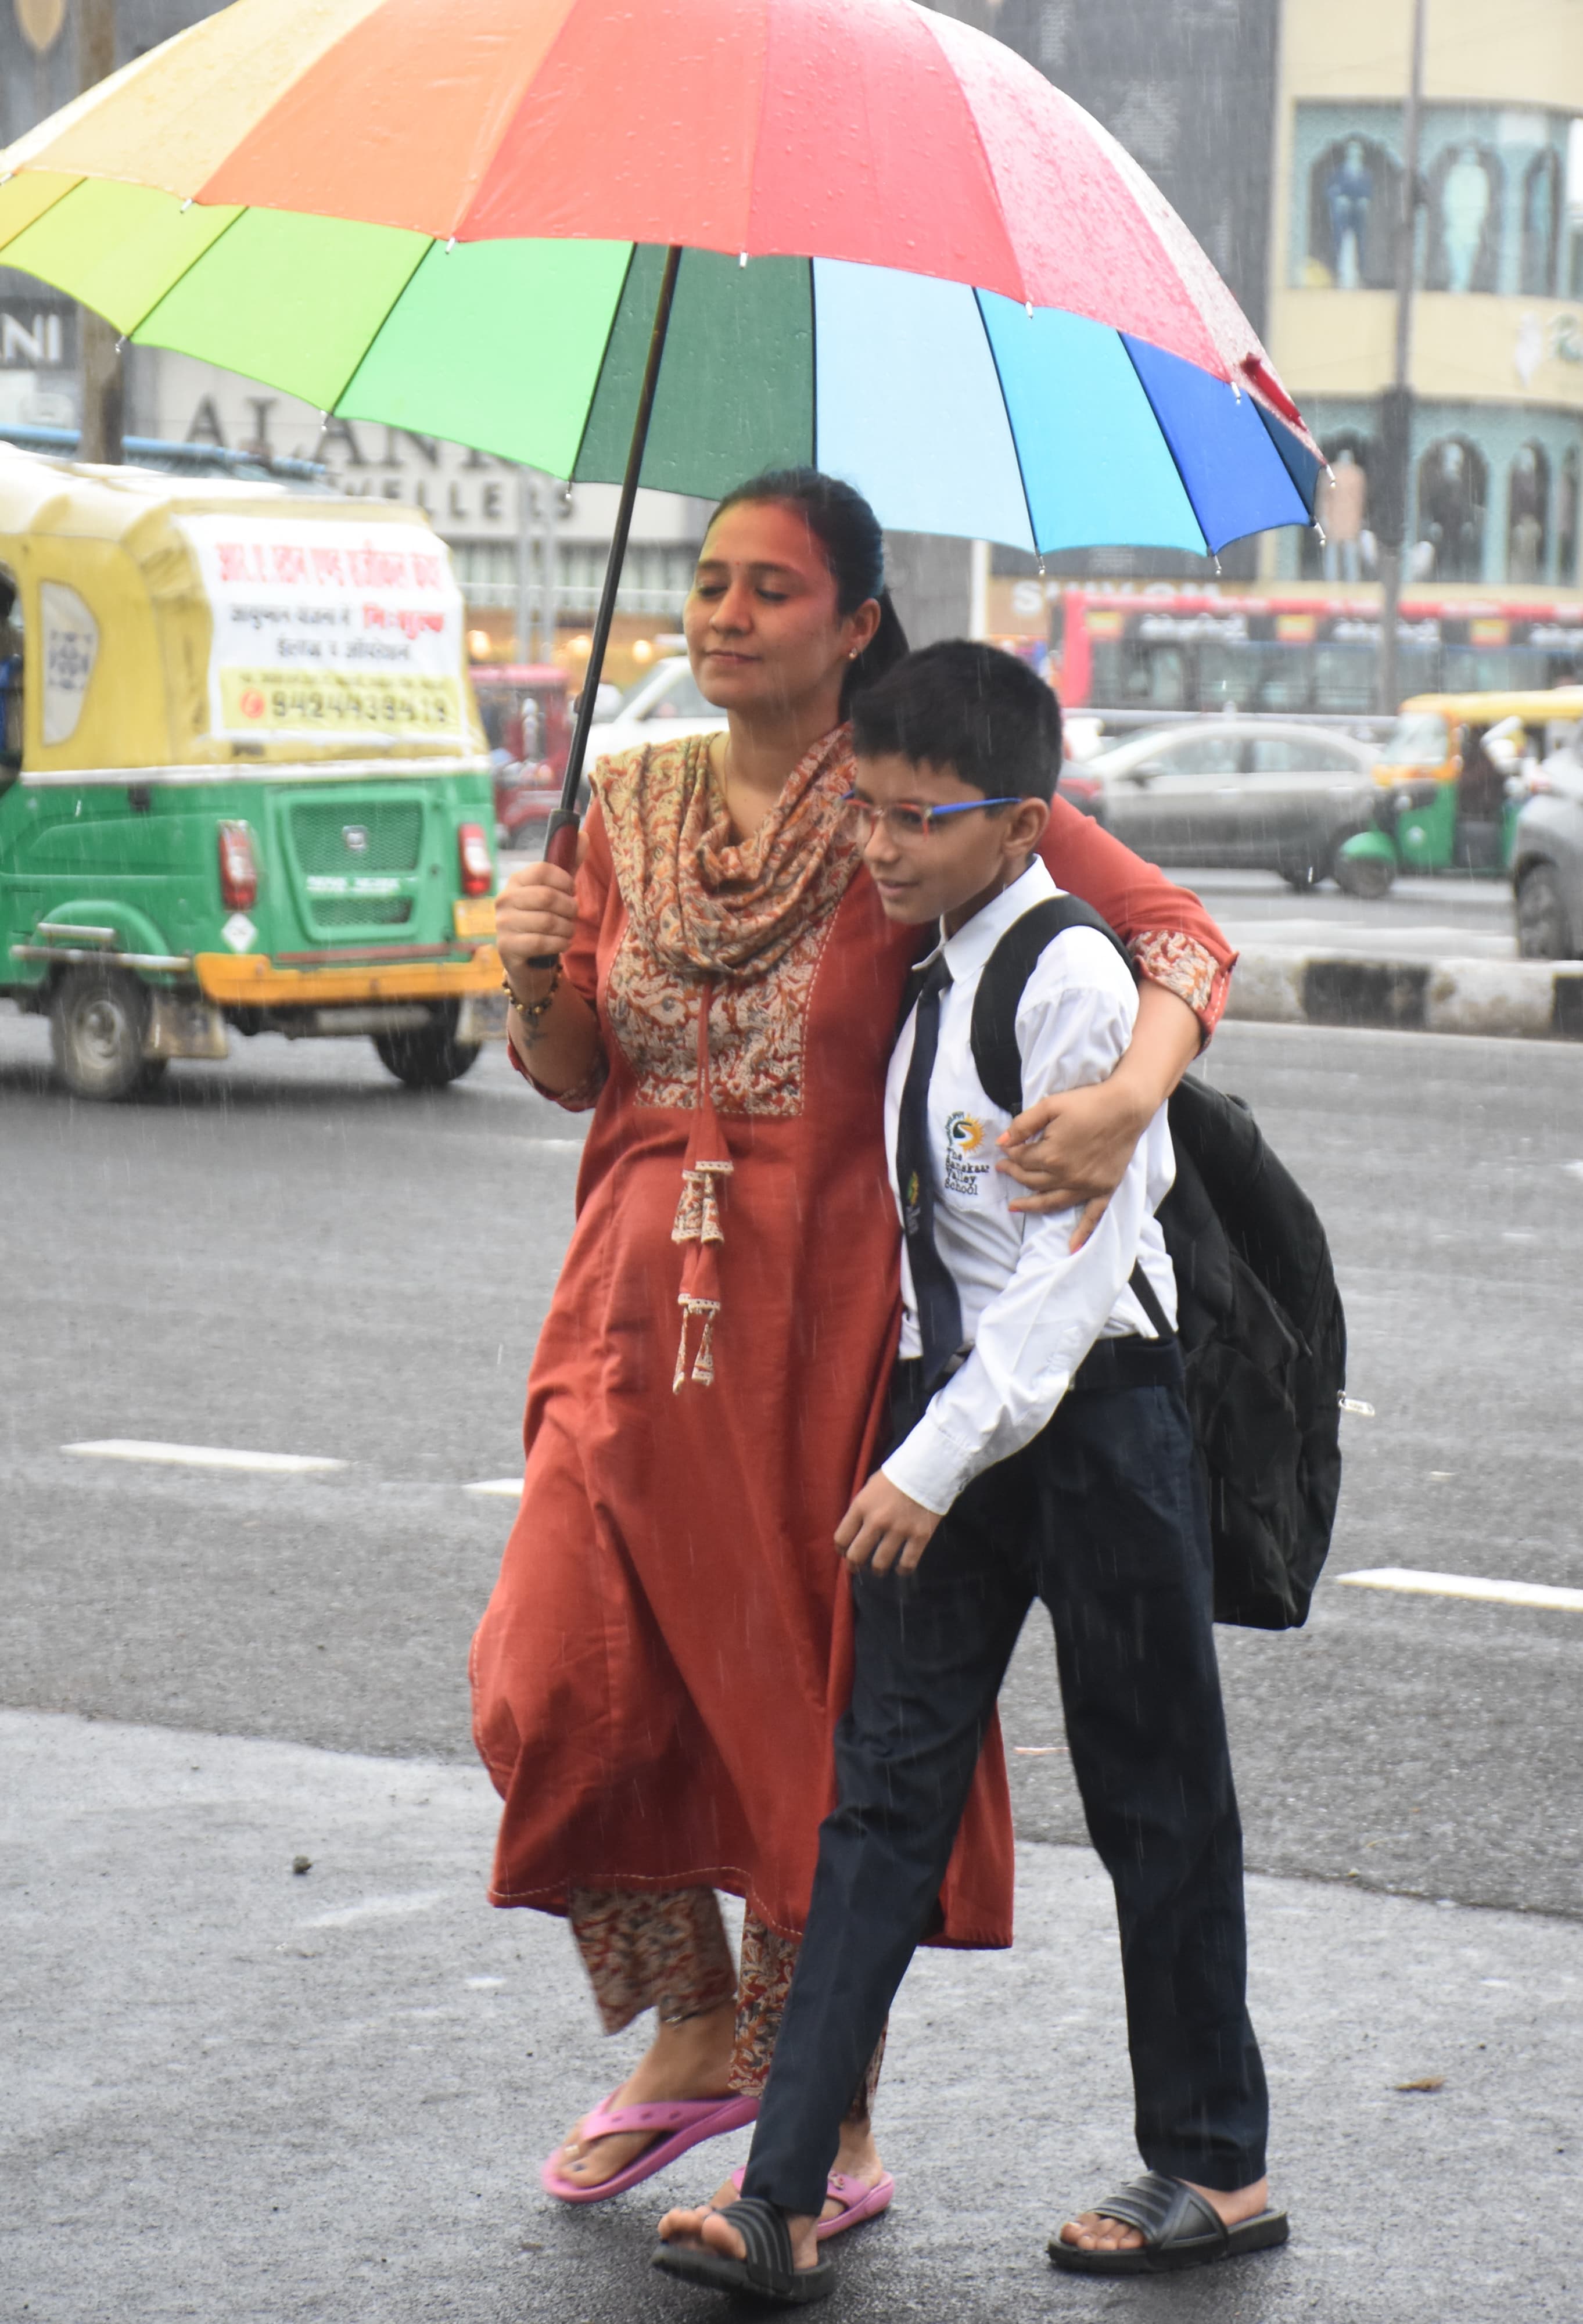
x=289, y=1253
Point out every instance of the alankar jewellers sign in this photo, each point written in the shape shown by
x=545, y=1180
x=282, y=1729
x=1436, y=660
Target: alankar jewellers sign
x=465, y=495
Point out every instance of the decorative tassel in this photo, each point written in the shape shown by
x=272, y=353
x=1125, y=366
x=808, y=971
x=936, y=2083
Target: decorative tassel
x=689, y=1208
x=703, y=1366
x=709, y=1229
x=698, y=1223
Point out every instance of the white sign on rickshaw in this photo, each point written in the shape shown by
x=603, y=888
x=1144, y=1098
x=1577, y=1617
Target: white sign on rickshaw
x=324, y=630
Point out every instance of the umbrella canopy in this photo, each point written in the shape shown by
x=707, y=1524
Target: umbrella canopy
x=909, y=258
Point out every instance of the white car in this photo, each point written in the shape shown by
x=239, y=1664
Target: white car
x=665, y=703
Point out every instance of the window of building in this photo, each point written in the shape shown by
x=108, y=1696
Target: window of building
x=1342, y=512
x=1467, y=193
x=1453, y=492
x=1541, y=225
x=1528, y=515
x=1573, y=268
x=1566, y=499
x=1354, y=203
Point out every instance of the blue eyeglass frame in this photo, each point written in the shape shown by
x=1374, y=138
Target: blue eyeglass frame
x=929, y=813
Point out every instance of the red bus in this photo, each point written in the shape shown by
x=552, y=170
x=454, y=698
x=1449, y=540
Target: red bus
x=1201, y=650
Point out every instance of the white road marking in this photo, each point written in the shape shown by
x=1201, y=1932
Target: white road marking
x=503, y=1489
x=1465, y=1585
x=378, y=1908
x=200, y=1456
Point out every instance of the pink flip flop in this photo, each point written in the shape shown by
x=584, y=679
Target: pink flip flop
x=857, y=2201
x=689, y=2122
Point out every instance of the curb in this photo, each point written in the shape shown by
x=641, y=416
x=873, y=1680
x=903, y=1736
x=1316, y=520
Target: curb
x=1523, y=1000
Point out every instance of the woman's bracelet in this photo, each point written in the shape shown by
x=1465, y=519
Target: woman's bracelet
x=534, y=1013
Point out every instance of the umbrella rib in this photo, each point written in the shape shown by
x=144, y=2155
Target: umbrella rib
x=1165, y=439
x=10, y=178
x=406, y=285
x=616, y=306
x=1011, y=426
x=176, y=280
x=813, y=365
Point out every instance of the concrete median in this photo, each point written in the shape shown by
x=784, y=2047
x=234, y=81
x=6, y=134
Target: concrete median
x=1523, y=999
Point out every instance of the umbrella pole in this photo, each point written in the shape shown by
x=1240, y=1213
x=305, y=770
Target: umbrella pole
x=560, y=842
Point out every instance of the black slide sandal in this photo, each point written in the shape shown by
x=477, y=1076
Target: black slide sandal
x=1178, y=2227
x=767, y=2272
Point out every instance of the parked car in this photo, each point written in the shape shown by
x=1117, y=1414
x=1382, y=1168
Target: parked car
x=1547, y=859
x=1238, y=792
x=663, y=704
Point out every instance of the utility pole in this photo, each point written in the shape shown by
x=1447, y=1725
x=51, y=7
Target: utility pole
x=551, y=503
x=1393, y=494
x=527, y=506
x=102, y=385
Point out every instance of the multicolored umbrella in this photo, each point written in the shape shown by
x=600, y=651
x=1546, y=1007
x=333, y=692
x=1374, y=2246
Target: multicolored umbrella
x=909, y=258
x=678, y=240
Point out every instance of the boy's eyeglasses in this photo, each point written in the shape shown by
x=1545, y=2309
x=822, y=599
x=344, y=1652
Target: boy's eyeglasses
x=905, y=820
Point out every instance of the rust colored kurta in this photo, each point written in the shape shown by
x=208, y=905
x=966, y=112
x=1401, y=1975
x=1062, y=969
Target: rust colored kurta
x=659, y=1670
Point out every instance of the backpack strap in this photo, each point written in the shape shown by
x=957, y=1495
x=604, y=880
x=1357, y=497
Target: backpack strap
x=996, y=1059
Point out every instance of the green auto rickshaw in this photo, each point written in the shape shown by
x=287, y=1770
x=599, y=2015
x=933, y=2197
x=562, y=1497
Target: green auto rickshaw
x=1451, y=777
x=244, y=788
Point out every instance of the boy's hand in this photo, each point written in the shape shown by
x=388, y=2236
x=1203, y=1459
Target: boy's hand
x=883, y=1522
x=1073, y=1148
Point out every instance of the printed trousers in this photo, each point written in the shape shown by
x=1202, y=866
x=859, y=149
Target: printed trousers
x=668, y=1951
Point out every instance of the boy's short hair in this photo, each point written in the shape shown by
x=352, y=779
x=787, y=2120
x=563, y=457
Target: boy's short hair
x=971, y=708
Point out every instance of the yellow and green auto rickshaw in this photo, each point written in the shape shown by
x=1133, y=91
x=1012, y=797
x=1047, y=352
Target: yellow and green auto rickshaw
x=1451, y=775
x=243, y=783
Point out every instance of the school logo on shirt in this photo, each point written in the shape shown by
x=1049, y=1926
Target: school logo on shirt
x=964, y=1172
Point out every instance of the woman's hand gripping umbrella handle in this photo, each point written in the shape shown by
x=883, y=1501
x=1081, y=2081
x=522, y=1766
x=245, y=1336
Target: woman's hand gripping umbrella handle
x=560, y=840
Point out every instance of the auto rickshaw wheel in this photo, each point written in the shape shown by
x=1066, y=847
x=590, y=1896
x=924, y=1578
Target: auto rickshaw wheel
x=1544, y=932
x=1368, y=876
x=430, y=1055
x=98, y=1017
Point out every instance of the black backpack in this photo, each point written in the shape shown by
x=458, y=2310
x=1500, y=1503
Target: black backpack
x=1262, y=1333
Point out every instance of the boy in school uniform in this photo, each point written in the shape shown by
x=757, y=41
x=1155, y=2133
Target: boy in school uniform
x=1040, y=1447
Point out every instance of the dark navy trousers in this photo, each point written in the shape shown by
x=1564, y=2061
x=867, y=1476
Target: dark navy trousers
x=1101, y=1517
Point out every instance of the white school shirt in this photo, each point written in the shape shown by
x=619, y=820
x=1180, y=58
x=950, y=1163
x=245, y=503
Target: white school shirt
x=1031, y=1308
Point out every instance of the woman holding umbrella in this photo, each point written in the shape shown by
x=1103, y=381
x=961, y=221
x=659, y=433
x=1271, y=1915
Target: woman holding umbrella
x=659, y=1670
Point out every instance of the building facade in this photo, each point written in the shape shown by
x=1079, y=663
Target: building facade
x=1495, y=462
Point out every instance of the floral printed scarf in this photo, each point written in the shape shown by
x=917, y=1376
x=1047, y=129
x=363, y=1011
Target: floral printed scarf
x=708, y=907
x=703, y=904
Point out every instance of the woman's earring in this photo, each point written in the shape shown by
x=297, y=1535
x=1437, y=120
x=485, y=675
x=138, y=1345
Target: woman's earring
x=854, y=654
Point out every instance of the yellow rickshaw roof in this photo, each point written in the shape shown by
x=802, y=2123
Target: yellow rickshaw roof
x=68, y=499
x=1486, y=709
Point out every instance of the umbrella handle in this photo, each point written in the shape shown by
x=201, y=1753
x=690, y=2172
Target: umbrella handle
x=607, y=613
x=561, y=839
x=559, y=849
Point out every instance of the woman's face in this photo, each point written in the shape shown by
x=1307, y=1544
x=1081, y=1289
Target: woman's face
x=762, y=631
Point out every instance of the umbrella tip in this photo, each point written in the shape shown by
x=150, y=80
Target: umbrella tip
x=1216, y=564
x=451, y=245
x=1320, y=528
x=187, y=205
x=742, y=258
x=1028, y=309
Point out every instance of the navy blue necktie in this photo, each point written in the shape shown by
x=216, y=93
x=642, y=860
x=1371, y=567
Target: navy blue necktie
x=934, y=1289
